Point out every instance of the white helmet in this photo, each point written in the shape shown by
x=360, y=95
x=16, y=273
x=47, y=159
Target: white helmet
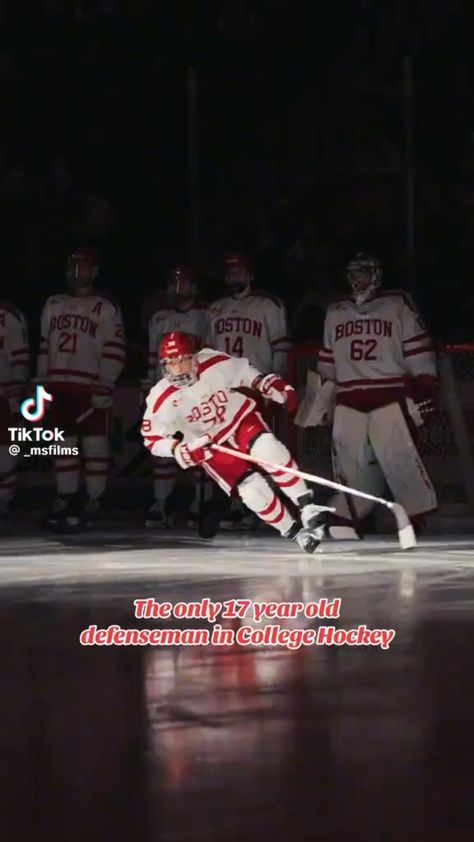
x=364, y=274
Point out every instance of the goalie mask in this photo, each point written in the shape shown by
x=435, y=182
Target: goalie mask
x=238, y=275
x=364, y=274
x=82, y=268
x=178, y=358
x=181, y=286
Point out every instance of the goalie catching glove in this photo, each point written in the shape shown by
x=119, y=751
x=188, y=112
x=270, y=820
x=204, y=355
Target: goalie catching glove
x=275, y=389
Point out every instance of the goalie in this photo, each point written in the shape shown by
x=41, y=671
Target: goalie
x=380, y=383
x=196, y=405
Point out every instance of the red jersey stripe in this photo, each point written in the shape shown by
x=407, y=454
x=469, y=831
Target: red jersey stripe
x=416, y=338
x=164, y=395
x=418, y=351
x=371, y=380
x=219, y=358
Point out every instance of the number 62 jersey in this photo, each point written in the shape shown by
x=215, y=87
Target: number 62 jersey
x=373, y=350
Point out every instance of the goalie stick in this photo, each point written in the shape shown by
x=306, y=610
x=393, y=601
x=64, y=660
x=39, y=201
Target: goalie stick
x=406, y=535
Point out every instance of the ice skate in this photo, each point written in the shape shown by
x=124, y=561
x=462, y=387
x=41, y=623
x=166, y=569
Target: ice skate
x=64, y=515
x=91, y=511
x=313, y=516
x=324, y=518
x=307, y=539
x=156, y=517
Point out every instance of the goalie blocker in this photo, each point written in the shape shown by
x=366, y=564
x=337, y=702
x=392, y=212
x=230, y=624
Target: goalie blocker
x=198, y=400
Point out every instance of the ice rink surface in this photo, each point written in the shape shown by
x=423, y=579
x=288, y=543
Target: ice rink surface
x=176, y=558
x=236, y=743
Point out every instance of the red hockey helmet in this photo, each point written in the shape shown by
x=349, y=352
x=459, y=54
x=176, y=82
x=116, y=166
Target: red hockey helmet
x=178, y=358
x=82, y=268
x=181, y=285
x=238, y=272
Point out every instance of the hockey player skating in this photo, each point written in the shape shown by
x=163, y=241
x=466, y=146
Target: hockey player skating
x=253, y=324
x=14, y=369
x=184, y=312
x=80, y=358
x=196, y=405
x=380, y=371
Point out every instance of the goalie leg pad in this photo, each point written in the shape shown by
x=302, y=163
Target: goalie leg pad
x=257, y=495
x=354, y=463
x=400, y=460
x=269, y=448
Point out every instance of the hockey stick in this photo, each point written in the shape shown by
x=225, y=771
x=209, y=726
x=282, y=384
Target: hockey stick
x=85, y=415
x=80, y=418
x=406, y=535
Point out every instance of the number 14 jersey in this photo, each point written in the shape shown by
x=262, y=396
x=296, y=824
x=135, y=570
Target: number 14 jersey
x=371, y=350
x=254, y=327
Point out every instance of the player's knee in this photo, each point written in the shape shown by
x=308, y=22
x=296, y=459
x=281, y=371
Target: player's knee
x=95, y=446
x=268, y=447
x=255, y=492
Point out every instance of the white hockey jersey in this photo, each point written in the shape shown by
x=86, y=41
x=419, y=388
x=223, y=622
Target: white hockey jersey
x=210, y=406
x=374, y=350
x=14, y=353
x=194, y=321
x=82, y=340
x=254, y=327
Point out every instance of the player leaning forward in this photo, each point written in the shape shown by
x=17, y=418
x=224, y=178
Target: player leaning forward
x=380, y=361
x=195, y=406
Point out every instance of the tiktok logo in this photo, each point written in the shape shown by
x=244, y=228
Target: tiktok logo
x=33, y=409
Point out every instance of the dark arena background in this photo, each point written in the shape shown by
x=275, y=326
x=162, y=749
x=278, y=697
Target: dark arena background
x=298, y=133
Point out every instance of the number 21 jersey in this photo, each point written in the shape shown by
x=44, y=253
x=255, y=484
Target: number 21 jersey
x=82, y=340
x=371, y=350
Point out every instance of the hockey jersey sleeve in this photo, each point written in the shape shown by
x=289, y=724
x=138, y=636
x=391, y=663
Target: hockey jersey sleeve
x=16, y=343
x=112, y=358
x=418, y=350
x=279, y=338
x=239, y=372
x=326, y=365
x=160, y=421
